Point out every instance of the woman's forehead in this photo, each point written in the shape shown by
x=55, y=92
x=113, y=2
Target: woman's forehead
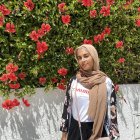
x=82, y=50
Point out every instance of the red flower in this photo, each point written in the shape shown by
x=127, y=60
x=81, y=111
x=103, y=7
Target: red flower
x=86, y=41
x=22, y=75
x=14, y=86
x=11, y=68
x=26, y=103
x=69, y=50
x=46, y=27
x=66, y=19
x=116, y=88
x=98, y=38
x=138, y=22
x=119, y=44
x=29, y=5
x=93, y=13
x=34, y=35
x=139, y=9
x=128, y=3
x=40, y=33
x=16, y=102
x=41, y=47
x=12, y=77
x=4, y=10
x=62, y=7
x=42, y=80
x=10, y=27
x=8, y=104
x=63, y=81
x=62, y=71
x=4, y=78
x=105, y=10
x=61, y=86
x=54, y=80
x=87, y=3
x=102, y=36
x=110, y=2
x=1, y=20
x=107, y=31
x=121, y=60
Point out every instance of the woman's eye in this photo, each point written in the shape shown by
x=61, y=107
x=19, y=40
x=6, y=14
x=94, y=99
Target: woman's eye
x=86, y=56
x=78, y=58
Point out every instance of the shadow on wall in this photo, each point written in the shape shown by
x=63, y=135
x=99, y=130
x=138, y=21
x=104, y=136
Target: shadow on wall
x=41, y=120
x=38, y=122
x=129, y=112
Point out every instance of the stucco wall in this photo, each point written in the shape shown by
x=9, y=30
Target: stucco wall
x=129, y=113
x=42, y=119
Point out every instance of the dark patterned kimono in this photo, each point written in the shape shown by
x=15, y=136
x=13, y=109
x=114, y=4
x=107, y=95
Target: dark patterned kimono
x=110, y=123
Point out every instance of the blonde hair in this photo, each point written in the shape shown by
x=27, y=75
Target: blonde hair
x=93, y=52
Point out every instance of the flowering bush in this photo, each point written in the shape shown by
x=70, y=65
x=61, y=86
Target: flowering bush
x=38, y=38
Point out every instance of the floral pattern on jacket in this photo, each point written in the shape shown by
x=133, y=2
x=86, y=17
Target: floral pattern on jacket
x=110, y=122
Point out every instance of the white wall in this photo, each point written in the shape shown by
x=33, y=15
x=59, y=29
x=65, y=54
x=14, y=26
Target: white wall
x=42, y=119
x=129, y=112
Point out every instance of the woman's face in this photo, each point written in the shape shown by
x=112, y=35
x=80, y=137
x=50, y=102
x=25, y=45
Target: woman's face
x=85, y=60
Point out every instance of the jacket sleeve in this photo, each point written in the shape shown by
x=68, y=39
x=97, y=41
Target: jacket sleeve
x=114, y=132
x=66, y=110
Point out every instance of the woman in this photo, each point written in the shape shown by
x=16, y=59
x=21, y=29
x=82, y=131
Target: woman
x=90, y=103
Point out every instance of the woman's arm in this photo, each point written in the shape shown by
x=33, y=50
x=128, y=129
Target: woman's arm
x=114, y=132
x=64, y=120
x=65, y=115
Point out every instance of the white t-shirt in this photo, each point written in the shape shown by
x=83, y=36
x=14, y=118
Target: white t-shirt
x=80, y=101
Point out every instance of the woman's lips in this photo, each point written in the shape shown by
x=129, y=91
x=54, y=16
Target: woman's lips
x=84, y=65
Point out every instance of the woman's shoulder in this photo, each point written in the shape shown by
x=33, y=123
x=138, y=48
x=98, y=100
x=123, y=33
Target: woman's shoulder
x=109, y=81
x=71, y=80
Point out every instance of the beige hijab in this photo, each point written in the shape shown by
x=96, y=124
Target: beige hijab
x=95, y=82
